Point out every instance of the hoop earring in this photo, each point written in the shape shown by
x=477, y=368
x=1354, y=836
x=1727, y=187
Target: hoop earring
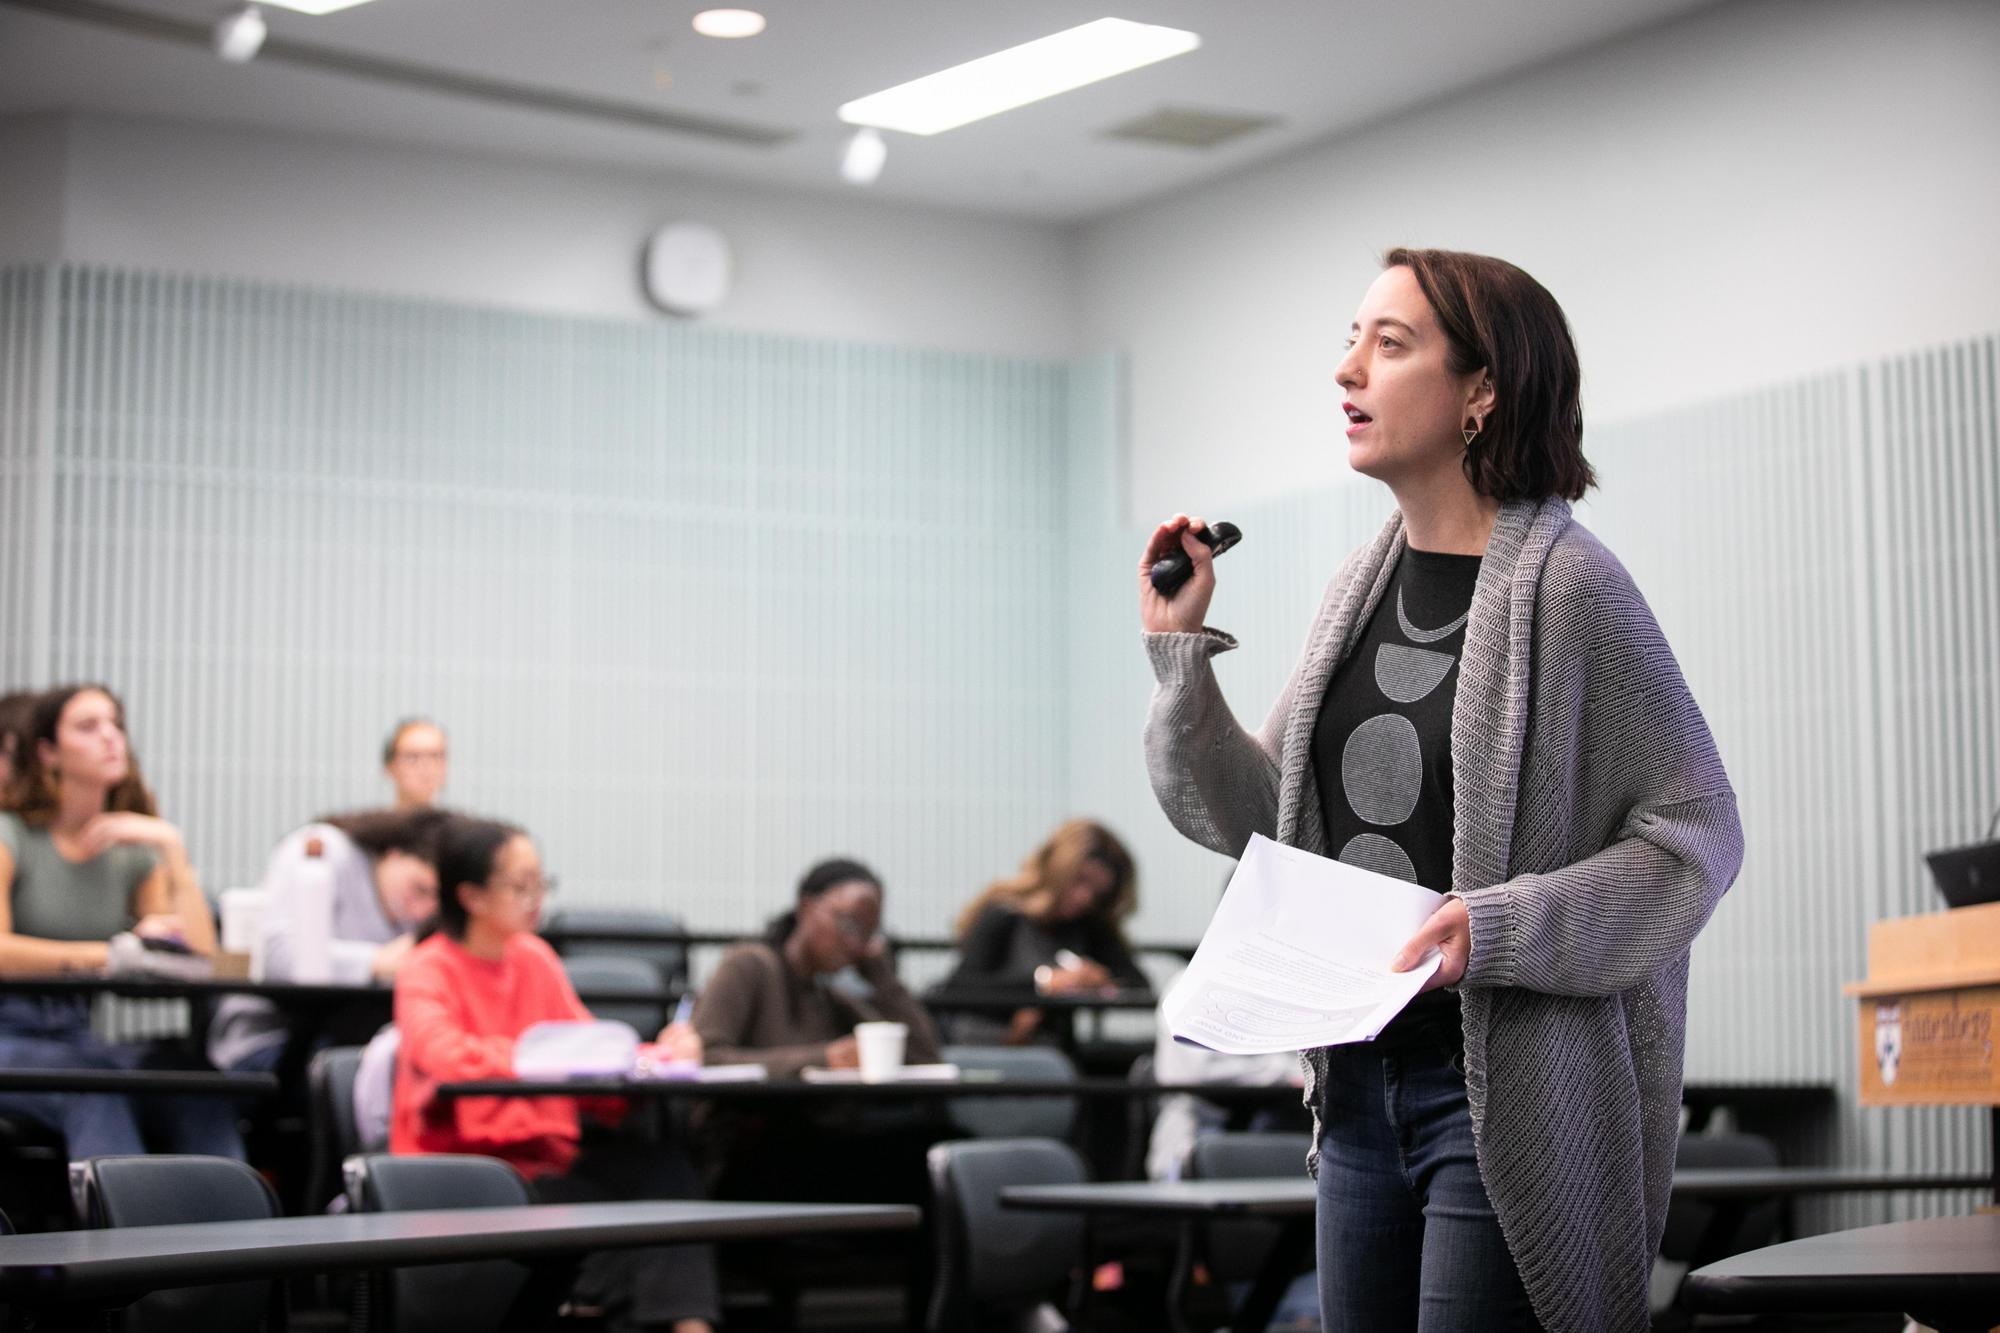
x=1472, y=434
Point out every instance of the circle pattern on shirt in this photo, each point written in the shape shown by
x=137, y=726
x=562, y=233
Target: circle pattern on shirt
x=1382, y=769
x=1408, y=674
x=1372, y=851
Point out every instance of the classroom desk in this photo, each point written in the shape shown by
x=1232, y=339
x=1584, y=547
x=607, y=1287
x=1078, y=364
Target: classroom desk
x=1288, y=1202
x=70, y=1276
x=1791, y=1181
x=1945, y=1271
x=794, y=1090
x=179, y=1082
x=560, y=935
x=286, y=994
x=294, y=997
x=1007, y=1001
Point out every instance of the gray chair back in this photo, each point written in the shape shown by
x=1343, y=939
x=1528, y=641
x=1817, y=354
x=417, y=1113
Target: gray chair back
x=997, y=1266
x=1014, y=1117
x=1692, y=1236
x=331, y=1129
x=653, y=937
x=1236, y=1250
x=467, y=1298
x=618, y=975
x=169, y=1190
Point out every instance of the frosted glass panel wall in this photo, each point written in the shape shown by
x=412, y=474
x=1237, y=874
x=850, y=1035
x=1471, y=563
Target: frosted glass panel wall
x=1825, y=559
x=697, y=608
x=24, y=436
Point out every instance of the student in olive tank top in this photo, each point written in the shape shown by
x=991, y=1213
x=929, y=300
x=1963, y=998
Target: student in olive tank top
x=84, y=858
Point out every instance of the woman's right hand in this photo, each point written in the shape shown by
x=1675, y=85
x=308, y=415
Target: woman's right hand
x=388, y=959
x=1188, y=609
x=844, y=1053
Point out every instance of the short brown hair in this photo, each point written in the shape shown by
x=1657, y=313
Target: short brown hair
x=33, y=795
x=1498, y=319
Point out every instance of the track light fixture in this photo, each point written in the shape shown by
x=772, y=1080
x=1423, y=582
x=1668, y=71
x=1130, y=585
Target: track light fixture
x=241, y=35
x=862, y=160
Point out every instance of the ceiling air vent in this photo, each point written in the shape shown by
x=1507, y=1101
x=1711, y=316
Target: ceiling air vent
x=1188, y=127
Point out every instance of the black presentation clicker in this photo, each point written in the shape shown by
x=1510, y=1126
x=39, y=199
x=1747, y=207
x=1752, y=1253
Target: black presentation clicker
x=1175, y=568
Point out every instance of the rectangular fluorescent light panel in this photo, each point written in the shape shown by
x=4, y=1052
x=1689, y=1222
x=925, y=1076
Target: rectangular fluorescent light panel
x=314, y=7
x=1017, y=76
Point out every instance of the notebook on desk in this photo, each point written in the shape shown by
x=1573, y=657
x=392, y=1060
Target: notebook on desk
x=1967, y=876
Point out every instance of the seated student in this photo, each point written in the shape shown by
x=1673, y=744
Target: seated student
x=770, y=1002
x=384, y=865
x=1053, y=928
x=87, y=868
x=415, y=759
x=463, y=996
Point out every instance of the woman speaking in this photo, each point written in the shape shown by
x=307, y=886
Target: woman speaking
x=1485, y=706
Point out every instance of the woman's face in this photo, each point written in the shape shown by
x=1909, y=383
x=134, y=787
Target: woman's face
x=408, y=887
x=510, y=901
x=839, y=925
x=1090, y=885
x=90, y=742
x=1406, y=408
x=417, y=765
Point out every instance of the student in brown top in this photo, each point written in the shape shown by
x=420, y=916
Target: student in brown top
x=770, y=1002
x=775, y=1002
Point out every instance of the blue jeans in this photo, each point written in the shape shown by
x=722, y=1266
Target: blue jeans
x=1408, y=1242
x=53, y=1032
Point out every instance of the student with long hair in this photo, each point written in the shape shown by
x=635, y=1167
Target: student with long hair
x=385, y=886
x=463, y=997
x=1054, y=927
x=87, y=869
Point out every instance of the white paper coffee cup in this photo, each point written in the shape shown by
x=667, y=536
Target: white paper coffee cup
x=881, y=1049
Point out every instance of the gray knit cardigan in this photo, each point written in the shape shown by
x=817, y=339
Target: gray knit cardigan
x=1595, y=832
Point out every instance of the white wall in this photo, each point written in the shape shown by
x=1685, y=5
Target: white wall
x=32, y=169
x=1760, y=192
x=165, y=196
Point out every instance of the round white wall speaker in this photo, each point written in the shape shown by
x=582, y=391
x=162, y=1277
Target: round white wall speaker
x=687, y=268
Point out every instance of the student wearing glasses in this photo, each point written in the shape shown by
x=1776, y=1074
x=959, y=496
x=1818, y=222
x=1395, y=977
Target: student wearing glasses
x=773, y=1002
x=790, y=1001
x=416, y=761
x=463, y=997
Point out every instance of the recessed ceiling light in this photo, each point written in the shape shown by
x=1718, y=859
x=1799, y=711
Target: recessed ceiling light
x=1017, y=76
x=729, y=23
x=315, y=7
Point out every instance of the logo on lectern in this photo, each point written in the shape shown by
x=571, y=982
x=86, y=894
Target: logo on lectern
x=1888, y=1041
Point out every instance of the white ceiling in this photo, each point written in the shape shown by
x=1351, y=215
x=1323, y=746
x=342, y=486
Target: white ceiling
x=1320, y=66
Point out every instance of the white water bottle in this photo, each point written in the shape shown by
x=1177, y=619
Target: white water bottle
x=312, y=917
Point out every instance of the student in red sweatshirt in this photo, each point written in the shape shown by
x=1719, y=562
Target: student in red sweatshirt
x=462, y=997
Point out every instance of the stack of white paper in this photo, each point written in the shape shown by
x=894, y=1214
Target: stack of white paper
x=1298, y=956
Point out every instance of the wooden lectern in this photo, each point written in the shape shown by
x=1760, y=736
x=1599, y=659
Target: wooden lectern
x=1930, y=1013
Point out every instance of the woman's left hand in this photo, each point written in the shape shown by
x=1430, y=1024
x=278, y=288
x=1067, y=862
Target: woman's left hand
x=1449, y=931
